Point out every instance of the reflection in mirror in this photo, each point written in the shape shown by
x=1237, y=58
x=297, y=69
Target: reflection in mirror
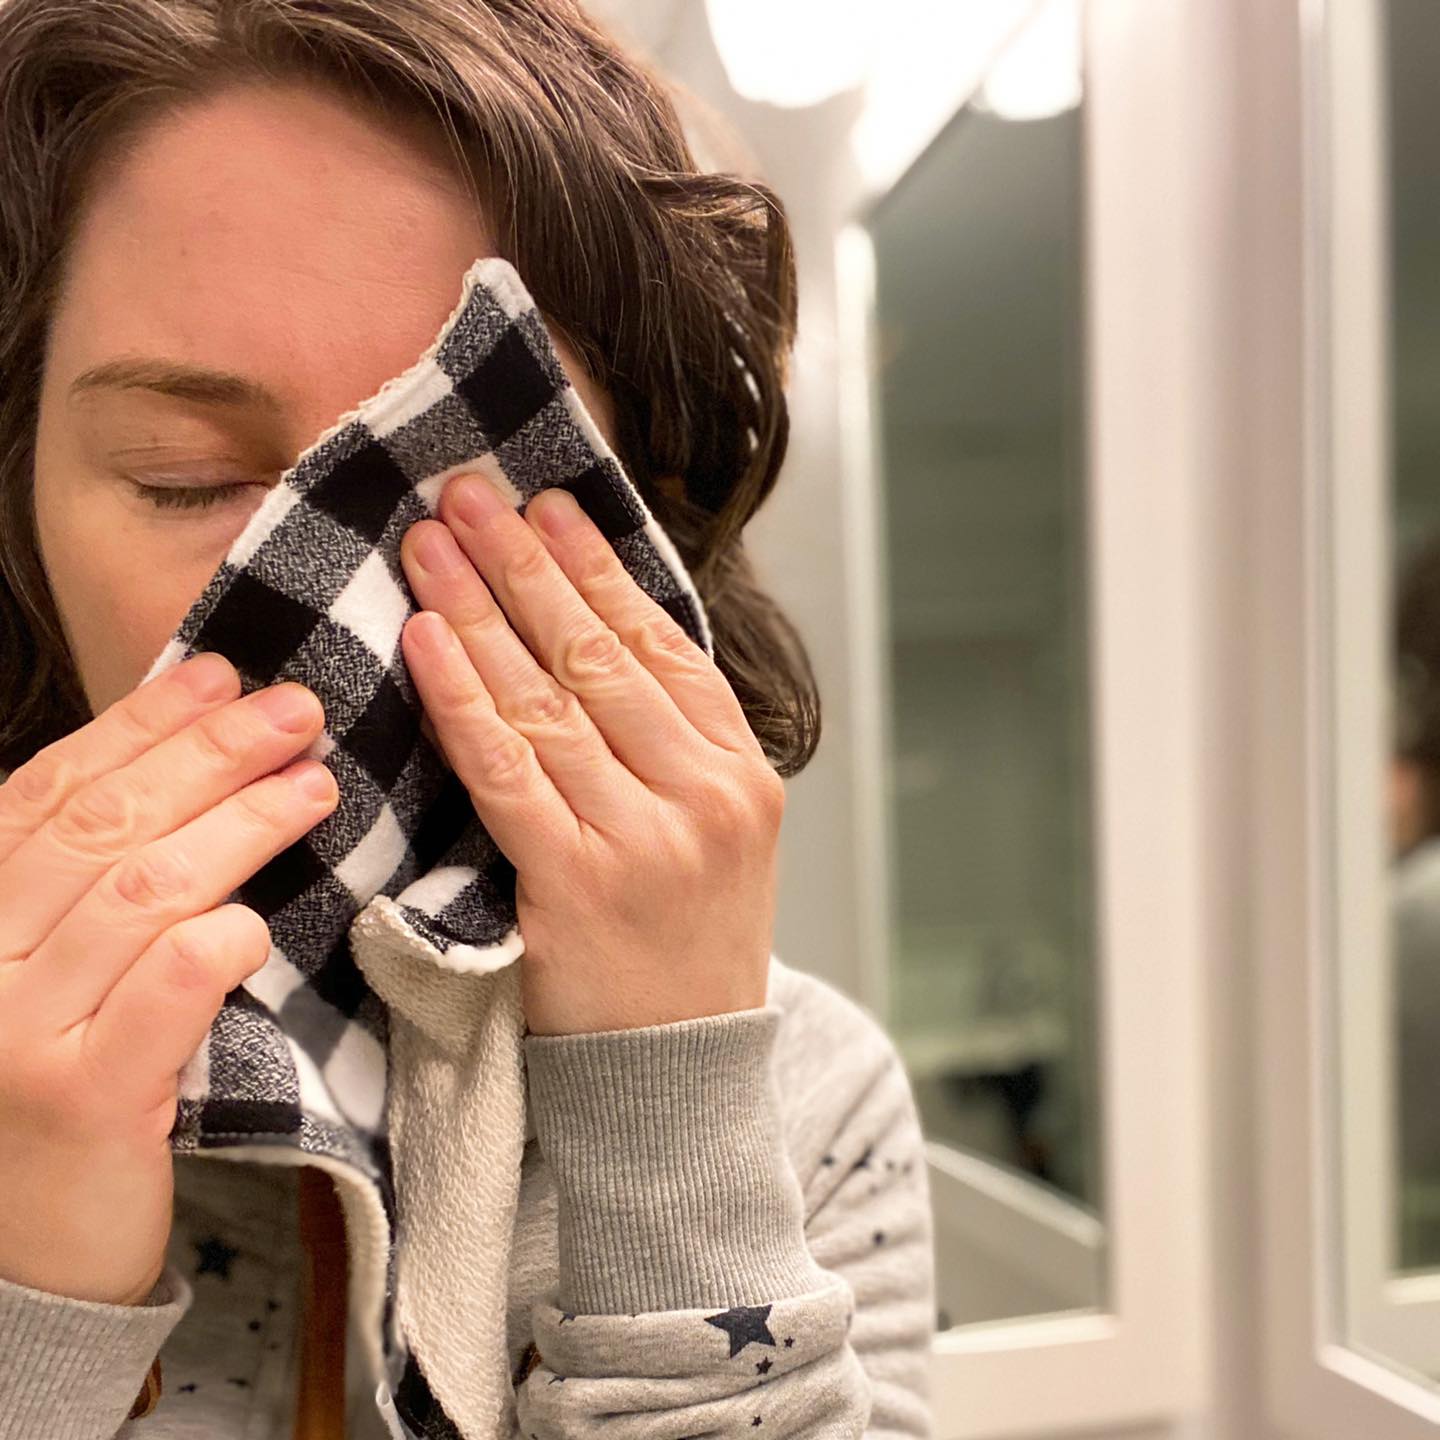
x=1378, y=607
x=979, y=404
x=1412, y=51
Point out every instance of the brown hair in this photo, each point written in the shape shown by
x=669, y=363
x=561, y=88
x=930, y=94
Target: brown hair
x=675, y=287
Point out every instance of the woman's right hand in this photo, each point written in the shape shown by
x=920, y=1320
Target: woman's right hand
x=118, y=844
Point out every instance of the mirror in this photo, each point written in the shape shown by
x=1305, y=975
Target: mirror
x=1377, y=490
x=979, y=407
x=1412, y=51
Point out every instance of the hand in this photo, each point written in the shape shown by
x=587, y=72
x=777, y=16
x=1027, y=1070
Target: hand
x=608, y=758
x=117, y=844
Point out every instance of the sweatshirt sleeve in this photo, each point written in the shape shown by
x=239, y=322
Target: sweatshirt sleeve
x=71, y=1369
x=702, y=1287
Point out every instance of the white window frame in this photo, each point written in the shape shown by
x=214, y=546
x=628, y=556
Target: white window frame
x=1143, y=1356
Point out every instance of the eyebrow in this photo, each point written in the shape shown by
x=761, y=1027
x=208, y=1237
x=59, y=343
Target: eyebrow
x=196, y=383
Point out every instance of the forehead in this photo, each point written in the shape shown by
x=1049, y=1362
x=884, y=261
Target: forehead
x=277, y=231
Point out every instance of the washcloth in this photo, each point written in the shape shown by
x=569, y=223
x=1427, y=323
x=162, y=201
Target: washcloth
x=393, y=924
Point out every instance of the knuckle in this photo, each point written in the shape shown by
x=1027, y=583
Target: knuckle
x=728, y=806
x=596, y=566
x=508, y=761
x=548, y=707
x=220, y=741
x=595, y=651
x=150, y=879
x=749, y=800
x=529, y=563
x=265, y=806
x=477, y=615
x=770, y=794
x=688, y=857
x=188, y=961
x=100, y=816
x=137, y=729
x=44, y=779
x=660, y=636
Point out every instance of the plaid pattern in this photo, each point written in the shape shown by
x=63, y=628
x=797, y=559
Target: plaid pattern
x=313, y=590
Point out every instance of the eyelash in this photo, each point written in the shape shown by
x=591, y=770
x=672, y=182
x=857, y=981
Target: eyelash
x=192, y=497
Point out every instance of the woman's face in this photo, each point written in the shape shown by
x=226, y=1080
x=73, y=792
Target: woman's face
x=271, y=233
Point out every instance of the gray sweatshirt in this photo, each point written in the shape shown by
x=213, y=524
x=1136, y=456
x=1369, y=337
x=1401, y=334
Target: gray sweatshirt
x=813, y=1214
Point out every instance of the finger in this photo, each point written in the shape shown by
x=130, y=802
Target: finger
x=179, y=875
x=691, y=679
x=528, y=818
x=159, y=790
x=171, y=996
x=570, y=747
x=630, y=710
x=36, y=790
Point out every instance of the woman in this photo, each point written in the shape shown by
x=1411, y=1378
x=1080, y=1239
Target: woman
x=287, y=192
x=1413, y=804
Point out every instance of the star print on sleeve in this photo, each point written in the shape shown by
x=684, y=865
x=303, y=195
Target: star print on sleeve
x=714, y=1243
x=744, y=1324
x=781, y=1364
x=870, y=1220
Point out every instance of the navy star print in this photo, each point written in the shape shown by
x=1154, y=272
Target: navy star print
x=215, y=1255
x=745, y=1325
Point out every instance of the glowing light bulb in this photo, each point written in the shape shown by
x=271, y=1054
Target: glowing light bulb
x=792, y=52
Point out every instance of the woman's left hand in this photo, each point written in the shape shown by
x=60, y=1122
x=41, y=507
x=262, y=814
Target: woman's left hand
x=608, y=758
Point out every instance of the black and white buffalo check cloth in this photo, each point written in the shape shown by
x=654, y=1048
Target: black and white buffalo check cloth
x=312, y=590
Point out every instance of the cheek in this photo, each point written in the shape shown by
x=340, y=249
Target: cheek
x=120, y=588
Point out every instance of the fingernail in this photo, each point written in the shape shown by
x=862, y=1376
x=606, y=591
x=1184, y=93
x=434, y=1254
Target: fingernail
x=476, y=500
x=207, y=676
x=437, y=551
x=313, y=779
x=287, y=706
x=560, y=512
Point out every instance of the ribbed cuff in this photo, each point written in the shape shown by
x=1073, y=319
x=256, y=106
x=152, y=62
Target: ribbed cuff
x=71, y=1369
x=675, y=1188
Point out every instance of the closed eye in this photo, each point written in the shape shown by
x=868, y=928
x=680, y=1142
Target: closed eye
x=188, y=497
